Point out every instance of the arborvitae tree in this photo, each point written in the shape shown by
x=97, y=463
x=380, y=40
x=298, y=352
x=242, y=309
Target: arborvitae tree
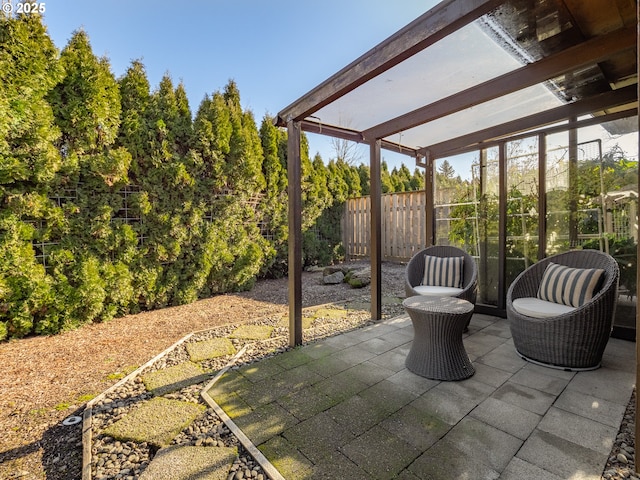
x=134, y=130
x=227, y=159
x=89, y=264
x=385, y=178
x=183, y=126
x=212, y=133
x=29, y=68
x=29, y=161
x=243, y=162
x=274, y=204
x=365, y=178
x=86, y=103
x=417, y=180
x=315, y=194
x=351, y=177
x=316, y=199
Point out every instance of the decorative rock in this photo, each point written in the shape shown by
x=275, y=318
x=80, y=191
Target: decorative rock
x=331, y=270
x=359, y=278
x=622, y=458
x=333, y=279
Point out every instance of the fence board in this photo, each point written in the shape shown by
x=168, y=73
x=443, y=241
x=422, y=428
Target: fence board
x=402, y=227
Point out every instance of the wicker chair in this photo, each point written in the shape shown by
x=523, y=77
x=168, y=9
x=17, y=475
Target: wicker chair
x=570, y=341
x=414, y=273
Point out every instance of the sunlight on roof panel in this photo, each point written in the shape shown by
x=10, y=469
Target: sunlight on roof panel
x=461, y=60
x=495, y=112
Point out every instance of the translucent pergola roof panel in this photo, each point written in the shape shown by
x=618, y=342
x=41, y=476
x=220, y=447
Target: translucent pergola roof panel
x=459, y=61
x=495, y=112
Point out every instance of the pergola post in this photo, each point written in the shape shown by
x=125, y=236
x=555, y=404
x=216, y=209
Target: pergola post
x=637, y=424
x=429, y=203
x=376, y=231
x=295, y=233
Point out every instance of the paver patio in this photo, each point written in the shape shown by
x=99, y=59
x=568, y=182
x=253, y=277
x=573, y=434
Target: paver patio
x=347, y=407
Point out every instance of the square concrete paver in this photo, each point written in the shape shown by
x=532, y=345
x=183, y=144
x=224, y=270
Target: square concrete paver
x=587, y=406
x=562, y=457
x=579, y=430
x=444, y=461
x=520, y=470
x=486, y=444
x=525, y=397
x=507, y=417
x=392, y=453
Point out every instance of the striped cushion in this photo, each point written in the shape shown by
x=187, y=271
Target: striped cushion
x=569, y=286
x=443, y=271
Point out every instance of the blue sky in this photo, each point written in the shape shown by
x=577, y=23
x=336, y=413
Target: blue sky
x=276, y=51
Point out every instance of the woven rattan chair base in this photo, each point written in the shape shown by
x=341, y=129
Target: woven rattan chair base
x=557, y=367
x=437, y=351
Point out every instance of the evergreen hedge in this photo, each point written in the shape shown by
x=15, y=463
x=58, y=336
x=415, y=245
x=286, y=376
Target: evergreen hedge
x=113, y=199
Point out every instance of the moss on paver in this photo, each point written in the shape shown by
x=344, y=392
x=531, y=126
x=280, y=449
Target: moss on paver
x=259, y=371
x=305, y=403
x=392, y=454
x=291, y=464
x=156, y=422
x=265, y=422
x=319, y=437
x=252, y=332
x=214, y=348
x=173, y=378
x=225, y=392
x=293, y=358
x=186, y=463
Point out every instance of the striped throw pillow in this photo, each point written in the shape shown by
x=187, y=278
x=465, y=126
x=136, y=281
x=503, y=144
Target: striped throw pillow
x=569, y=286
x=443, y=271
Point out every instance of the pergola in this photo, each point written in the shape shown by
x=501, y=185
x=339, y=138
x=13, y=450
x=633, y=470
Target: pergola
x=465, y=75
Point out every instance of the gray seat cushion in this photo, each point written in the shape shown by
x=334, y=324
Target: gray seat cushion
x=534, y=307
x=436, y=291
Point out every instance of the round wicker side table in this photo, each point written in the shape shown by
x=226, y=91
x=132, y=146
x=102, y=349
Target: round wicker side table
x=437, y=351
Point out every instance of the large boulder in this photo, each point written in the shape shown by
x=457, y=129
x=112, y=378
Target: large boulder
x=333, y=278
x=359, y=278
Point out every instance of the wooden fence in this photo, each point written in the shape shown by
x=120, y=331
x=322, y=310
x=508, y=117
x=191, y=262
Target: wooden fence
x=403, y=225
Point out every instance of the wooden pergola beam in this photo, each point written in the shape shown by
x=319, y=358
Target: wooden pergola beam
x=587, y=53
x=353, y=136
x=437, y=23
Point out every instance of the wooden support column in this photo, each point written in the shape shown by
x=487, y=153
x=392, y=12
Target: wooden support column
x=429, y=201
x=573, y=187
x=295, y=233
x=376, y=231
x=502, y=228
x=637, y=423
x=542, y=196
